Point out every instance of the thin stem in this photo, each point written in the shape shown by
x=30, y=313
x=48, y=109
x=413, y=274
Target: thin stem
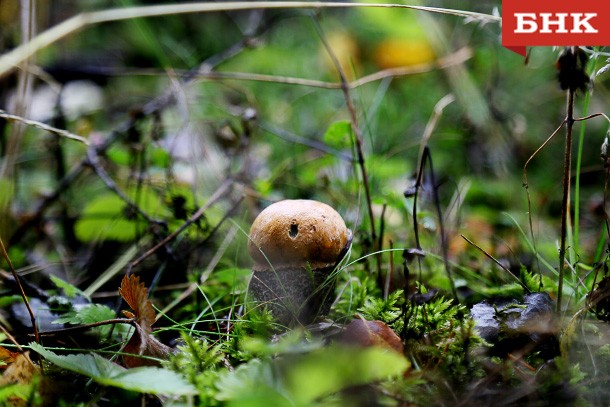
x=222, y=189
x=492, y=258
x=345, y=88
x=444, y=242
x=603, y=239
x=565, y=203
x=414, y=192
x=575, y=238
x=83, y=327
x=94, y=163
x=581, y=142
x=458, y=57
x=21, y=291
x=42, y=126
x=529, y=200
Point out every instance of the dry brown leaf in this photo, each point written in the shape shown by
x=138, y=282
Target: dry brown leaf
x=135, y=295
x=129, y=314
x=20, y=371
x=7, y=357
x=142, y=342
x=371, y=333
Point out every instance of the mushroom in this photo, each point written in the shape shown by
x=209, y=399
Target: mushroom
x=295, y=245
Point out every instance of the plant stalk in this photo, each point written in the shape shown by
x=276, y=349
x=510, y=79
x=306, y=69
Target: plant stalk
x=565, y=202
x=24, y=297
x=581, y=142
x=358, y=141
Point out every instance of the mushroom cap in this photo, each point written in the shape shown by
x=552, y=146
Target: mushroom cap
x=297, y=233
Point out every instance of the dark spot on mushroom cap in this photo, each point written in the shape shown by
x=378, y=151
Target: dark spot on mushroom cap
x=297, y=233
x=294, y=230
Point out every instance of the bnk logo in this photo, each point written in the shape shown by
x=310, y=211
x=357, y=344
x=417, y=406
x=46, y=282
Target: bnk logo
x=548, y=23
x=554, y=22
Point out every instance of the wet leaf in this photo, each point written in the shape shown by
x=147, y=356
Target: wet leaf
x=411, y=254
x=20, y=371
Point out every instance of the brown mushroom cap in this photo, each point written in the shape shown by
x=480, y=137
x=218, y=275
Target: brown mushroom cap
x=294, y=233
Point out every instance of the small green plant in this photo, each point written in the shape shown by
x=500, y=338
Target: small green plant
x=201, y=363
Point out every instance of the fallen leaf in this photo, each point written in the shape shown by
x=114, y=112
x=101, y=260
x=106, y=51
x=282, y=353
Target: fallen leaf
x=365, y=333
x=19, y=372
x=142, y=342
x=7, y=357
x=135, y=295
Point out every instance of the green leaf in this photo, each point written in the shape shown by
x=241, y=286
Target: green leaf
x=119, y=155
x=334, y=368
x=315, y=171
x=69, y=290
x=234, y=276
x=7, y=300
x=384, y=310
x=6, y=192
x=251, y=384
x=151, y=380
x=291, y=342
x=90, y=314
x=389, y=23
x=338, y=134
x=303, y=378
x=15, y=394
x=105, y=217
x=95, y=313
x=159, y=157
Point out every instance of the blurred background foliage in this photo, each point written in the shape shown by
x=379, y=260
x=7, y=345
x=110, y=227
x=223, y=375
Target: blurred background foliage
x=272, y=137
